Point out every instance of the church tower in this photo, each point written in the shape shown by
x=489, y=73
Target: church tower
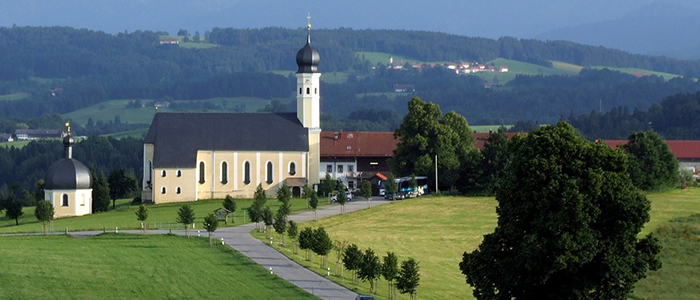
x=308, y=101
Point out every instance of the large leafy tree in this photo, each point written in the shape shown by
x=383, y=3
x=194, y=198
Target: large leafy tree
x=13, y=208
x=121, y=184
x=651, y=164
x=493, y=161
x=568, y=224
x=100, y=193
x=425, y=133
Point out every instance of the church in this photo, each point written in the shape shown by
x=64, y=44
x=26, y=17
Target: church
x=193, y=156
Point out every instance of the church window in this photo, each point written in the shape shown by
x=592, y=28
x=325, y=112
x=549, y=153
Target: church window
x=150, y=171
x=162, y=190
x=178, y=190
x=292, y=168
x=308, y=91
x=162, y=173
x=300, y=91
x=269, y=172
x=178, y=173
x=246, y=172
x=224, y=172
x=64, y=200
x=201, y=172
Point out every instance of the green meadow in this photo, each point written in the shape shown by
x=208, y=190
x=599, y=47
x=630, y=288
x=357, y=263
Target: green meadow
x=15, y=96
x=160, y=216
x=436, y=231
x=633, y=71
x=133, y=266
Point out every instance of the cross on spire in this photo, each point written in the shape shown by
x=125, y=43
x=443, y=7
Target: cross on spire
x=308, y=28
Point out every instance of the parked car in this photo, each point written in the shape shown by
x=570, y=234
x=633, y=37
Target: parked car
x=363, y=297
x=348, y=195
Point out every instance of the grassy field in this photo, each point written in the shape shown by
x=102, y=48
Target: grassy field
x=138, y=133
x=161, y=216
x=667, y=76
x=16, y=144
x=122, y=266
x=383, y=58
x=15, y=96
x=680, y=256
x=566, y=66
x=190, y=45
x=486, y=128
x=437, y=230
x=107, y=110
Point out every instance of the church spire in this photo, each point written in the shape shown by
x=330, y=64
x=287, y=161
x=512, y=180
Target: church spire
x=308, y=28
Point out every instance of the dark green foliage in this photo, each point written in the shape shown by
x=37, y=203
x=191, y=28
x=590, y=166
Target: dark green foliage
x=306, y=240
x=255, y=211
x=292, y=230
x=390, y=186
x=352, y=259
x=39, y=190
x=44, y=213
x=230, y=203
x=494, y=159
x=408, y=279
x=280, y=223
x=425, y=133
x=142, y=213
x=284, y=195
x=185, y=216
x=13, y=208
x=120, y=185
x=266, y=216
x=100, y=193
x=366, y=189
x=211, y=223
x=313, y=202
x=342, y=197
x=322, y=245
x=568, y=224
x=651, y=164
x=370, y=268
x=390, y=269
x=327, y=185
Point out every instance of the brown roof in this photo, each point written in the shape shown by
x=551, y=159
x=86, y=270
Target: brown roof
x=482, y=137
x=681, y=149
x=358, y=143
x=295, y=182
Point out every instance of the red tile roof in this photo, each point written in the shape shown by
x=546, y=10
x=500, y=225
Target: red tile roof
x=681, y=149
x=358, y=143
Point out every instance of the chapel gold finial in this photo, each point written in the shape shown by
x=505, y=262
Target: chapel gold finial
x=68, y=126
x=308, y=21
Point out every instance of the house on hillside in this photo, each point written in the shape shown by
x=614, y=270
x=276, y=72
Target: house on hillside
x=403, y=88
x=503, y=69
x=167, y=40
x=38, y=134
x=6, y=137
x=352, y=156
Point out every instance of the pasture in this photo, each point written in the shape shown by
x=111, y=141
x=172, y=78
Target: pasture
x=132, y=266
x=161, y=216
x=436, y=231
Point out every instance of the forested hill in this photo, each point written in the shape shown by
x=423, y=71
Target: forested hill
x=59, y=52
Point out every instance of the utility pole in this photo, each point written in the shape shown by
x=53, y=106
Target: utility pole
x=437, y=190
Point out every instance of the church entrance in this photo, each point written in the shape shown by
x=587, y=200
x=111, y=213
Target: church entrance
x=296, y=192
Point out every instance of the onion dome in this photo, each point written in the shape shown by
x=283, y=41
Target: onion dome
x=68, y=173
x=307, y=57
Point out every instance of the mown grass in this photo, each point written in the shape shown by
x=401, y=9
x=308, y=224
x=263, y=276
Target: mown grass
x=14, y=96
x=566, y=66
x=666, y=76
x=138, y=134
x=16, y=144
x=191, y=45
x=436, y=231
x=162, y=216
x=123, y=266
x=680, y=256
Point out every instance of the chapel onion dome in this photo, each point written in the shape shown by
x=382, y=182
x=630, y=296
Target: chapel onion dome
x=68, y=173
x=307, y=57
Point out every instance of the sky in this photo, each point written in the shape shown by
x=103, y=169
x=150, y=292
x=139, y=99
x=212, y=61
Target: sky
x=617, y=24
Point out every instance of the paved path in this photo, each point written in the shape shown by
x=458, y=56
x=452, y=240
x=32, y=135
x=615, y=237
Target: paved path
x=239, y=238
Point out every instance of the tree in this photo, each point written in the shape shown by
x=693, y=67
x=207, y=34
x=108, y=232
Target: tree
x=120, y=185
x=100, y=193
x=366, y=191
x=568, y=224
x=492, y=164
x=255, y=210
x=327, y=185
x=39, y=190
x=306, y=237
x=307, y=191
x=280, y=224
x=413, y=183
x=370, y=268
x=292, y=232
x=267, y=219
x=352, y=259
x=651, y=164
x=390, y=270
x=322, y=245
x=284, y=195
x=44, y=213
x=408, y=279
x=314, y=203
x=13, y=208
x=185, y=216
x=341, y=198
x=390, y=187
x=339, y=247
x=210, y=224
x=142, y=215
x=230, y=205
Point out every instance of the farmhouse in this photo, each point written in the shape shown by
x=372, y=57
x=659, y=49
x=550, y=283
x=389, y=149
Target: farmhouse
x=192, y=156
x=38, y=134
x=686, y=152
x=5, y=137
x=354, y=156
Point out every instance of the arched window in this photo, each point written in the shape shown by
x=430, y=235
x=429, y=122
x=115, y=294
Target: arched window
x=292, y=168
x=162, y=190
x=64, y=200
x=224, y=172
x=150, y=171
x=162, y=173
x=178, y=173
x=246, y=172
x=299, y=91
x=269, y=172
x=178, y=190
x=201, y=172
x=308, y=91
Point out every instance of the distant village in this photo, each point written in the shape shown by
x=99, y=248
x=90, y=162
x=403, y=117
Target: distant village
x=461, y=68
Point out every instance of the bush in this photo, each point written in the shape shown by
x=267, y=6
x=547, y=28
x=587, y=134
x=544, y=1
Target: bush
x=136, y=201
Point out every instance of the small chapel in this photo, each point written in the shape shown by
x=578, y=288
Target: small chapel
x=193, y=156
x=68, y=184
